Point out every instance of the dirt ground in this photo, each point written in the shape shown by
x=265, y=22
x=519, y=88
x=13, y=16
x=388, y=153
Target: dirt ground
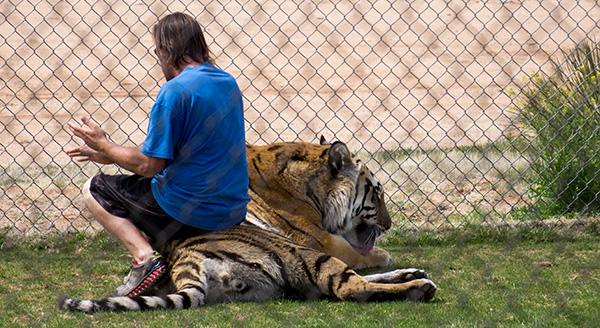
x=375, y=74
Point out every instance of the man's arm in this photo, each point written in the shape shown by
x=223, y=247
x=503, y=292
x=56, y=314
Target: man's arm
x=99, y=149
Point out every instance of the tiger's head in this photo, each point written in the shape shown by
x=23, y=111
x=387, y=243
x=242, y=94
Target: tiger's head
x=355, y=205
x=322, y=184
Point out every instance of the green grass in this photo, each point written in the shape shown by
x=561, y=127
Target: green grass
x=486, y=278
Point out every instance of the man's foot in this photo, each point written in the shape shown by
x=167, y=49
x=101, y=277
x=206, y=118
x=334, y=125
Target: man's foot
x=142, y=276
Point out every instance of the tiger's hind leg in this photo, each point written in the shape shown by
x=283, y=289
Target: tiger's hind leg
x=196, y=282
x=396, y=276
x=336, y=279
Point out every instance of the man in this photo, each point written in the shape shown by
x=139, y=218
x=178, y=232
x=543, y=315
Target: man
x=191, y=173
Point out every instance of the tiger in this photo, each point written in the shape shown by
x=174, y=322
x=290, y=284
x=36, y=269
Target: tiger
x=315, y=214
x=319, y=195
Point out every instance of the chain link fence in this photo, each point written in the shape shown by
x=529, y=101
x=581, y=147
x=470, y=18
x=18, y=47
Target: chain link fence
x=416, y=88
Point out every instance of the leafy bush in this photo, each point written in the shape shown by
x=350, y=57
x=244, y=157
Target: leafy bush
x=563, y=111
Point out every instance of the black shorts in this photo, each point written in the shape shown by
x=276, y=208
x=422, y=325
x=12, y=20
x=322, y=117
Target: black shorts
x=130, y=197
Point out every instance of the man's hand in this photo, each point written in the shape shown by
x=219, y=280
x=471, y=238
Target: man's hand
x=95, y=142
x=90, y=133
x=86, y=153
x=99, y=149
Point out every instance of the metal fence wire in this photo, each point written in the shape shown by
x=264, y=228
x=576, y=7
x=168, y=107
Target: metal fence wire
x=416, y=88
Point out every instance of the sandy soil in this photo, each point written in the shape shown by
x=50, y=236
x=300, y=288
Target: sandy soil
x=375, y=74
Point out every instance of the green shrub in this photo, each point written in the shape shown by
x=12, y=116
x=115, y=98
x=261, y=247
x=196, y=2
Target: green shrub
x=563, y=111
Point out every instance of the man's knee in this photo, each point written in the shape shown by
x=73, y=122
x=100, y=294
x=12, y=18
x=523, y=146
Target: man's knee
x=87, y=194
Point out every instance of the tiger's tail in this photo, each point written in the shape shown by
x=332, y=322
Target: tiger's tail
x=185, y=299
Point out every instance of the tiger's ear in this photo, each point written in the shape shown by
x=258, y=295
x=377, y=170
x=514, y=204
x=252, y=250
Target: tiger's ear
x=323, y=141
x=339, y=157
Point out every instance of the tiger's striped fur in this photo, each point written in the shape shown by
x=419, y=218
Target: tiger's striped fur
x=253, y=264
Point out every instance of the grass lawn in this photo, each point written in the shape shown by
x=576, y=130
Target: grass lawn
x=486, y=278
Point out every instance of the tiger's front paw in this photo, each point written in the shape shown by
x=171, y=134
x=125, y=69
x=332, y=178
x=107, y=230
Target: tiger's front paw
x=377, y=257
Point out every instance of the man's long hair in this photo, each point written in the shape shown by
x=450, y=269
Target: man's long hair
x=178, y=35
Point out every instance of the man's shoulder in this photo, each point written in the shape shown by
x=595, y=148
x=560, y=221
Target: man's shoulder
x=216, y=72
x=205, y=73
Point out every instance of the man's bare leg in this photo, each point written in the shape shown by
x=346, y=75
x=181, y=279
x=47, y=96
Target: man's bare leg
x=121, y=228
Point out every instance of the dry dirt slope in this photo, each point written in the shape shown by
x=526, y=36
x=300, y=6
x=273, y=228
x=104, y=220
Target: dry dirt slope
x=376, y=74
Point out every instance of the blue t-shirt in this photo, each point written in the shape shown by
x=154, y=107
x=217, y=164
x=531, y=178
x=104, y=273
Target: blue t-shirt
x=197, y=124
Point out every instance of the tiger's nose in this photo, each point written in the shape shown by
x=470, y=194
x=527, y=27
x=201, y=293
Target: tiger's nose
x=383, y=216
